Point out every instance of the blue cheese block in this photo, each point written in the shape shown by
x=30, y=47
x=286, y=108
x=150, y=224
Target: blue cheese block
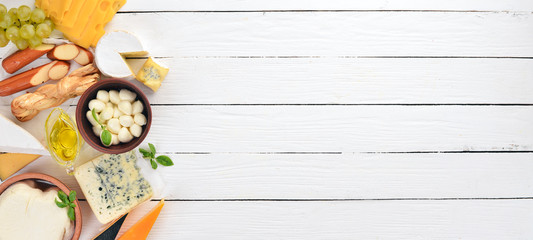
x=113, y=185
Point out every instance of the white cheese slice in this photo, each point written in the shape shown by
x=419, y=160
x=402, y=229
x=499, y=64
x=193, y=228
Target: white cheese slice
x=15, y=139
x=111, y=51
x=29, y=213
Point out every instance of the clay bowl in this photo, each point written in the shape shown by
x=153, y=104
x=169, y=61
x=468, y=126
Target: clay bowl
x=44, y=179
x=85, y=127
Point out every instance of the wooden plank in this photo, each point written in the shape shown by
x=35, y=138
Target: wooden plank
x=478, y=34
x=494, y=219
x=252, y=129
x=341, y=128
x=254, y=5
x=335, y=176
x=344, y=81
x=340, y=81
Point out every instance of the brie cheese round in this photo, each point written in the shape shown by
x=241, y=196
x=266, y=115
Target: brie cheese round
x=111, y=51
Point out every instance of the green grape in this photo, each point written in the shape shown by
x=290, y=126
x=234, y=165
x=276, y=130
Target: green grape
x=21, y=44
x=27, y=31
x=43, y=30
x=49, y=23
x=35, y=41
x=3, y=9
x=13, y=13
x=3, y=39
x=6, y=21
x=37, y=15
x=12, y=33
x=15, y=22
x=24, y=13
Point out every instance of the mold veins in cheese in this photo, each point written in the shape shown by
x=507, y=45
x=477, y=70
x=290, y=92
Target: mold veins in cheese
x=152, y=74
x=29, y=213
x=15, y=139
x=111, y=51
x=113, y=185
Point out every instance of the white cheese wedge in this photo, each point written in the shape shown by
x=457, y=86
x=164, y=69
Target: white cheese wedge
x=15, y=139
x=111, y=51
x=29, y=213
x=113, y=185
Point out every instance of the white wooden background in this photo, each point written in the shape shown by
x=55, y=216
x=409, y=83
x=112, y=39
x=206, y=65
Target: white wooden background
x=292, y=119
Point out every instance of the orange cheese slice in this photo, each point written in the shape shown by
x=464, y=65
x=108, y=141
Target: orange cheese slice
x=142, y=228
x=10, y=163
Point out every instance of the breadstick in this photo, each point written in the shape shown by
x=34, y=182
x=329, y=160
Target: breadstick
x=27, y=106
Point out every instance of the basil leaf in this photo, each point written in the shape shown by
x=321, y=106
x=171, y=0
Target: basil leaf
x=146, y=153
x=72, y=205
x=72, y=196
x=164, y=160
x=94, y=116
x=62, y=196
x=154, y=165
x=71, y=214
x=152, y=148
x=60, y=204
x=106, y=138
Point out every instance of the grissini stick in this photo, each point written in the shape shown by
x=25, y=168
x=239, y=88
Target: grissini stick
x=27, y=106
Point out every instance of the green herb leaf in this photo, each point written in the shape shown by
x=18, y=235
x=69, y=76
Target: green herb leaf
x=72, y=196
x=164, y=160
x=145, y=153
x=60, y=204
x=152, y=148
x=62, y=196
x=154, y=165
x=71, y=214
x=94, y=116
x=72, y=205
x=106, y=138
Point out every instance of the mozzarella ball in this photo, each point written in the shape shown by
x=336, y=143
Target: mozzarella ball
x=90, y=117
x=124, y=135
x=125, y=107
x=117, y=113
x=102, y=95
x=139, y=119
x=106, y=114
x=114, y=139
x=125, y=120
x=127, y=95
x=113, y=96
x=97, y=130
x=109, y=104
x=113, y=125
x=136, y=130
x=137, y=107
x=97, y=105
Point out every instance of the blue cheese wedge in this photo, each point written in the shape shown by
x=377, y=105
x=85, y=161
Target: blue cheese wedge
x=113, y=185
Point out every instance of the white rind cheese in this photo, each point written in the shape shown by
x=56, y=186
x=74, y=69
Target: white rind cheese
x=111, y=50
x=113, y=185
x=29, y=213
x=15, y=139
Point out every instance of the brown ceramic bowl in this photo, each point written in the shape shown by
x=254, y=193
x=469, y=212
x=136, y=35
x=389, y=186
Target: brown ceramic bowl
x=85, y=127
x=47, y=180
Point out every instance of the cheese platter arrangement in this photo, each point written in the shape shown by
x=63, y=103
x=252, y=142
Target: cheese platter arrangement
x=87, y=63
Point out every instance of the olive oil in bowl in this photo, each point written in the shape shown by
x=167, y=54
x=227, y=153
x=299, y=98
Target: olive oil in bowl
x=63, y=139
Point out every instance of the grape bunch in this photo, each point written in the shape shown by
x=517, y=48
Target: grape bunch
x=23, y=26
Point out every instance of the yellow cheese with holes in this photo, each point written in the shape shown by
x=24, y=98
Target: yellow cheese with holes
x=152, y=74
x=10, y=163
x=81, y=21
